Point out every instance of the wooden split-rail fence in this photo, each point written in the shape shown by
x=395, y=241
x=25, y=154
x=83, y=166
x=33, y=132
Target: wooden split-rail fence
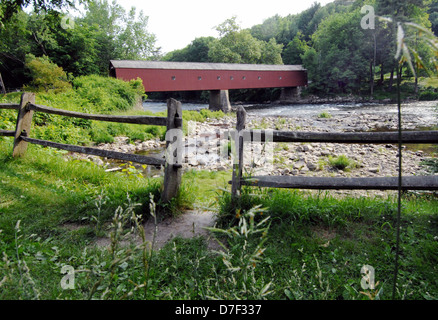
x=173, y=122
x=173, y=161
x=326, y=183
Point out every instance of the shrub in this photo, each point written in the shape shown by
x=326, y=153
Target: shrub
x=46, y=75
x=99, y=135
x=324, y=115
x=109, y=94
x=428, y=95
x=431, y=165
x=341, y=162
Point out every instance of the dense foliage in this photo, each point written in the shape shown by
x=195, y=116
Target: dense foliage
x=81, y=46
x=341, y=56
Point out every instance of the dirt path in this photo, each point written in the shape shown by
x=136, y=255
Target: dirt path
x=190, y=224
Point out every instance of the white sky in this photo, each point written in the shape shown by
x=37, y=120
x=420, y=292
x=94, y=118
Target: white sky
x=176, y=23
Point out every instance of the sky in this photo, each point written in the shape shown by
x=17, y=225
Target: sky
x=176, y=23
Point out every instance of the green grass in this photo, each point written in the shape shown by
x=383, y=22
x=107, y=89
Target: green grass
x=81, y=99
x=206, y=185
x=431, y=165
x=324, y=241
x=62, y=208
x=324, y=115
x=45, y=182
x=342, y=162
x=278, y=244
x=311, y=246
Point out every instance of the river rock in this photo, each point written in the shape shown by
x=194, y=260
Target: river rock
x=312, y=166
x=299, y=165
x=295, y=158
x=374, y=169
x=304, y=148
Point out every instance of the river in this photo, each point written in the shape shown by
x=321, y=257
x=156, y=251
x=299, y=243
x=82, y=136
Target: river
x=427, y=110
x=423, y=115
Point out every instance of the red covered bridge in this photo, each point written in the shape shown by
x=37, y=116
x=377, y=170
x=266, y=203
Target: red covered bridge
x=218, y=78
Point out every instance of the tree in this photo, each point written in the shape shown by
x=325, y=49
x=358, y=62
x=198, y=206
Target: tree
x=306, y=24
x=404, y=11
x=295, y=49
x=75, y=50
x=10, y=7
x=311, y=61
x=239, y=46
x=433, y=16
x=270, y=28
x=343, y=54
x=271, y=52
x=236, y=47
x=228, y=26
x=196, y=51
x=119, y=35
x=14, y=45
x=104, y=32
x=134, y=41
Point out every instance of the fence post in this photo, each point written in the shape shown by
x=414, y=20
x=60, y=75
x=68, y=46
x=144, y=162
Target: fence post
x=174, y=150
x=238, y=167
x=2, y=85
x=24, y=123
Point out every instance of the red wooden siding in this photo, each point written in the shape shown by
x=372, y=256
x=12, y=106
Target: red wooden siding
x=194, y=79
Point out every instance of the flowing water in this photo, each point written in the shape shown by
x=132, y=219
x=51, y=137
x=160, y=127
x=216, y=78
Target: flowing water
x=425, y=113
x=427, y=110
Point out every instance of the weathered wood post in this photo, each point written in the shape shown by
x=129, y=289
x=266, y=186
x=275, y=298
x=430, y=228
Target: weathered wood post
x=2, y=85
x=174, y=150
x=24, y=123
x=238, y=163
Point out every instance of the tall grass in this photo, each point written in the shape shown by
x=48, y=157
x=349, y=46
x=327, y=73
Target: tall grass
x=304, y=208
x=328, y=239
x=115, y=97
x=300, y=246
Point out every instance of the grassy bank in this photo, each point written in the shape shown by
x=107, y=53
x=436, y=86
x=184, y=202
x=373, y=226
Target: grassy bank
x=310, y=246
x=276, y=244
x=94, y=95
x=53, y=213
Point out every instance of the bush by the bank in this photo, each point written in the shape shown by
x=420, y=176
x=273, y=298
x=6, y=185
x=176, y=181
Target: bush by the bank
x=95, y=95
x=109, y=94
x=428, y=94
x=89, y=94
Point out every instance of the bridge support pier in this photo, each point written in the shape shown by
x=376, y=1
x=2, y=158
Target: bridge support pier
x=290, y=94
x=219, y=100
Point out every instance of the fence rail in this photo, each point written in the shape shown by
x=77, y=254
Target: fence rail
x=97, y=152
x=408, y=137
x=149, y=120
x=329, y=183
x=9, y=106
x=7, y=133
x=172, y=171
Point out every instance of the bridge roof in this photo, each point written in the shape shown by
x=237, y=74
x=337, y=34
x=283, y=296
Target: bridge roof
x=170, y=65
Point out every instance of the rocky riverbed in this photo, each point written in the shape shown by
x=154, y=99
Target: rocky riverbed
x=207, y=148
